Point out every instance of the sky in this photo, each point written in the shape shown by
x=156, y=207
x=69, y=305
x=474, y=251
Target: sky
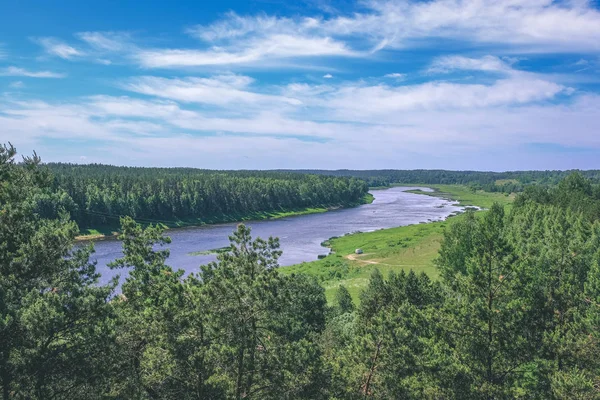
x=250, y=84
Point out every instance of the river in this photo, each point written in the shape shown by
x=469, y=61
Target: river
x=300, y=236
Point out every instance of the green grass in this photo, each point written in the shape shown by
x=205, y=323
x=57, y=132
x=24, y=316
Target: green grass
x=97, y=233
x=467, y=197
x=407, y=247
x=211, y=251
x=404, y=248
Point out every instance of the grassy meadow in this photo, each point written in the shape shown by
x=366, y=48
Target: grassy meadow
x=402, y=248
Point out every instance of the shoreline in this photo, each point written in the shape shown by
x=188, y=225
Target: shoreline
x=405, y=247
x=258, y=216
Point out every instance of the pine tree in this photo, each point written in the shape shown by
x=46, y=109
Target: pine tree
x=485, y=311
x=343, y=300
x=54, y=318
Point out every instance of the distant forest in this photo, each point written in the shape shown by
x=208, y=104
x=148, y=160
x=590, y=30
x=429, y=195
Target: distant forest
x=102, y=193
x=507, y=182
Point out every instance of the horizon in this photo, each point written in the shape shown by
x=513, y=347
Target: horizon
x=308, y=170
x=264, y=85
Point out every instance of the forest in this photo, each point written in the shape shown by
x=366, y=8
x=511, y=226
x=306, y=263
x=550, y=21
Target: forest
x=506, y=182
x=101, y=194
x=515, y=313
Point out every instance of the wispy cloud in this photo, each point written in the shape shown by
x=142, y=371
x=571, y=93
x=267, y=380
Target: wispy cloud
x=219, y=90
x=592, y=65
x=234, y=27
x=238, y=40
x=380, y=100
x=511, y=87
x=275, y=47
x=106, y=41
x=196, y=95
x=395, y=75
x=415, y=112
x=516, y=26
x=59, y=48
x=125, y=106
x=16, y=71
x=168, y=132
x=16, y=85
x=487, y=63
x=524, y=25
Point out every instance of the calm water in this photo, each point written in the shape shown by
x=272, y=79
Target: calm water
x=300, y=236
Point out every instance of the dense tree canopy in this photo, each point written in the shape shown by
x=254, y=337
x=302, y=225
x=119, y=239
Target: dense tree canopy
x=507, y=182
x=54, y=318
x=515, y=312
x=102, y=193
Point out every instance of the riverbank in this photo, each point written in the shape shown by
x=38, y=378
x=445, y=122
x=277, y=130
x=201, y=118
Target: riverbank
x=103, y=232
x=402, y=248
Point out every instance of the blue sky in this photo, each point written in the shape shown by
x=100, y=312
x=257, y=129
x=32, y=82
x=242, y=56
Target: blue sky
x=453, y=84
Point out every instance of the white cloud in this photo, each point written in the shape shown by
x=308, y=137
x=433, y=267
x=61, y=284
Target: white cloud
x=247, y=40
x=380, y=99
x=33, y=120
x=234, y=26
x=515, y=26
x=278, y=138
x=227, y=91
x=238, y=40
x=532, y=25
x=15, y=71
x=544, y=24
x=59, y=48
x=271, y=47
x=518, y=25
x=391, y=142
x=376, y=100
x=16, y=84
x=298, y=109
x=373, y=121
x=106, y=41
x=130, y=107
x=487, y=63
x=219, y=90
x=395, y=75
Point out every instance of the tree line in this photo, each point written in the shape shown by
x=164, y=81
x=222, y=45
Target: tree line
x=505, y=182
x=103, y=193
x=515, y=312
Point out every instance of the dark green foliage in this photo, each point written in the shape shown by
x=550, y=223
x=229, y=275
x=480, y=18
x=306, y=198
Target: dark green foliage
x=343, y=300
x=575, y=193
x=486, y=322
x=102, y=193
x=237, y=330
x=265, y=322
x=508, y=182
x=386, y=355
x=515, y=314
x=54, y=319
